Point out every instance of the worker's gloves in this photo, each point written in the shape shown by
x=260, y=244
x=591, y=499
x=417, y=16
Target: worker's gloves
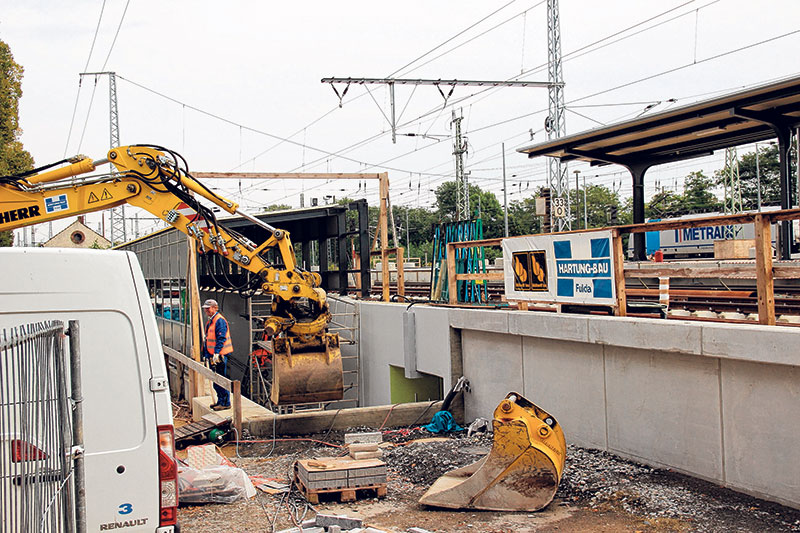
x=216, y=359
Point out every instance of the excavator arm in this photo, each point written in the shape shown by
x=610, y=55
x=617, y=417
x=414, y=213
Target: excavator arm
x=307, y=361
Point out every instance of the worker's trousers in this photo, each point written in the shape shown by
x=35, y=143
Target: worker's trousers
x=221, y=368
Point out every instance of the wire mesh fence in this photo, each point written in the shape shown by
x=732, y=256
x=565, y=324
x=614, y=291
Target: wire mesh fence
x=36, y=474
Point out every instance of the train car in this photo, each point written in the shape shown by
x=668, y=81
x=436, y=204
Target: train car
x=696, y=243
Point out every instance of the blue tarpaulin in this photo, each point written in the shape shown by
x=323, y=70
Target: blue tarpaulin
x=443, y=422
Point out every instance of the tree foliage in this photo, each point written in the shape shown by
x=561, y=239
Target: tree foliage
x=13, y=158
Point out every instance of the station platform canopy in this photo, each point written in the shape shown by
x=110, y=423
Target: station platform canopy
x=752, y=115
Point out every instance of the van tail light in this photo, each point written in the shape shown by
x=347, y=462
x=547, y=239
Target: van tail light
x=167, y=476
x=22, y=451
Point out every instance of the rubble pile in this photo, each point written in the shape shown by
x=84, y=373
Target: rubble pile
x=423, y=462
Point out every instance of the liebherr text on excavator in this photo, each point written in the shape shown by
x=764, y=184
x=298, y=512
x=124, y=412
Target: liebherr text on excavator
x=307, y=365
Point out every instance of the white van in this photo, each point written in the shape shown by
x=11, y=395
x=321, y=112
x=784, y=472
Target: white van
x=130, y=468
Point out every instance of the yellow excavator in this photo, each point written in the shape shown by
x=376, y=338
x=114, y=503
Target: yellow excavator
x=307, y=364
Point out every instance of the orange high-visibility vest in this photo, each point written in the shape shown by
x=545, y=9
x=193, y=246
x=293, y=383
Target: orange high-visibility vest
x=211, y=336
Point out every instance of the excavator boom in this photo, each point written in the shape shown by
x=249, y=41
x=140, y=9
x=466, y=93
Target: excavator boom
x=307, y=361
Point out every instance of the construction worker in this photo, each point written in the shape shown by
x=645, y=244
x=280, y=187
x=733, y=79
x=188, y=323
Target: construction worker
x=217, y=349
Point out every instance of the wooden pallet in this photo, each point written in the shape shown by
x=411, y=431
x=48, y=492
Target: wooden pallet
x=345, y=494
x=198, y=430
x=340, y=476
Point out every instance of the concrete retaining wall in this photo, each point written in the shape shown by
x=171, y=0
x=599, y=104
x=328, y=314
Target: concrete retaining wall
x=717, y=401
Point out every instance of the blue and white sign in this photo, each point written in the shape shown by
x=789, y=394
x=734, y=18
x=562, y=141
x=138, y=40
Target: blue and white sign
x=53, y=204
x=579, y=268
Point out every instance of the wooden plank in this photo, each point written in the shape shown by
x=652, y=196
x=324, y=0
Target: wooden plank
x=195, y=317
x=236, y=403
x=383, y=225
x=492, y=275
x=452, y=286
x=483, y=242
x=285, y=175
x=199, y=368
x=619, y=273
x=781, y=270
x=764, y=281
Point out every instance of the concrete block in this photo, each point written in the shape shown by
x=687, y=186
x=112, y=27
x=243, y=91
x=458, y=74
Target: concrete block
x=566, y=379
x=646, y=333
x=344, y=522
x=355, y=438
x=365, y=455
x=495, y=321
x=417, y=530
x=769, y=344
x=762, y=429
x=335, y=529
x=433, y=342
x=548, y=325
x=665, y=408
x=492, y=363
x=363, y=447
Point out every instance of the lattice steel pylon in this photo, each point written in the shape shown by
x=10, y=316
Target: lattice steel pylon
x=555, y=123
x=117, y=214
x=462, y=182
x=733, y=186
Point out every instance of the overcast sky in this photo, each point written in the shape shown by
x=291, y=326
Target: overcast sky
x=258, y=66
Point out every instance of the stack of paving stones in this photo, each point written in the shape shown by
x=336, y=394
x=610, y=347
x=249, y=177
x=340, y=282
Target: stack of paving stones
x=325, y=523
x=364, y=445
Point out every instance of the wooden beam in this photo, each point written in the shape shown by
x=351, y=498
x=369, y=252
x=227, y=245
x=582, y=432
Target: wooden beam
x=764, y=281
x=452, y=286
x=199, y=368
x=619, y=273
x=195, y=317
x=383, y=226
x=401, y=277
x=236, y=403
x=492, y=275
x=781, y=270
x=484, y=242
x=285, y=175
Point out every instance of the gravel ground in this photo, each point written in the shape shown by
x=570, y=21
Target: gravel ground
x=598, y=492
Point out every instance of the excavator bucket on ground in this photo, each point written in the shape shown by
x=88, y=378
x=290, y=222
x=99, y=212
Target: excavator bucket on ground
x=522, y=471
x=306, y=370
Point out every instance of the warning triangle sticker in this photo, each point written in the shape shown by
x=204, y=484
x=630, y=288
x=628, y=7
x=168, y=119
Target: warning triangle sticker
x=93, y=198
x=106, y=195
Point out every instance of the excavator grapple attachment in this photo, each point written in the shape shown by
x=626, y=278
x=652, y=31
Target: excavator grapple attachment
x=522, y=471
x=306, y=370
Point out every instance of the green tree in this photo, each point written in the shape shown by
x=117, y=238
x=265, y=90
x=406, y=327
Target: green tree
x=522, y=217
x=766, y=171
x=13, y=158
x=275, y=207
x=697, y=195
x=481, y=201
x=600, y=202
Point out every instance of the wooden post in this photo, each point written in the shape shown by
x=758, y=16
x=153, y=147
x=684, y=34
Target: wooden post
x=764, y=281
x=237, y=408
x=619, y=273
x=196, y=319
x=401, y=277
x=452, y=285
x=357, y=267
x=383, y=225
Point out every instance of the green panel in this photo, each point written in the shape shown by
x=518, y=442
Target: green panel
x=404, y=390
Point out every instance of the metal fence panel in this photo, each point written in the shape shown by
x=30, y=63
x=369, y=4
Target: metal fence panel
x=36, y=474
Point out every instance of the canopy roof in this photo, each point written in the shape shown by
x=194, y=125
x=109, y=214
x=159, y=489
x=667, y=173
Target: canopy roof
x=691, y=131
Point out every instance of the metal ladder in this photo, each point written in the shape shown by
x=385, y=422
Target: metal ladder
x=259, y=307
x=345, y=321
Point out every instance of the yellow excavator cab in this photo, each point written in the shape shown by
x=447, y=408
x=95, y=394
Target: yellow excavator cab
x=522, y=471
